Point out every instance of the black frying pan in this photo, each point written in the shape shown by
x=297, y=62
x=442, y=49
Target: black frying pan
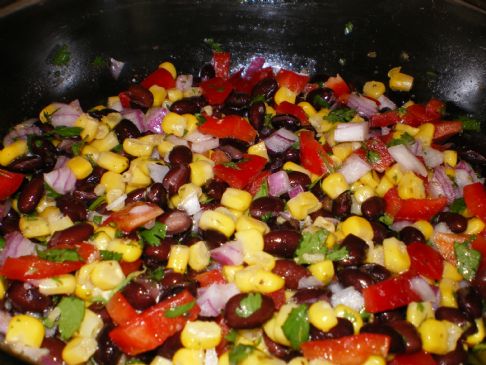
x=441, y=43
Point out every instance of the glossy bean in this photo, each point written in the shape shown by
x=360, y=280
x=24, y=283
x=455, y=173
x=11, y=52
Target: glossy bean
x=299, y=178
x=27, y=298
x=237, y=100
x=65, y=147
x=256, y=319
x=376, y=271
x=100, y=309
x=177, y=221
x=126, y=129
x=74, y=234
x=410, y=235
x=453, y=315
x=281, y=243
x=185, y=106
x=321, y=98
x=205, y=73
x=138, y=296
x=73, y=207
x=469, y=301
x=380, y=232
x=256, y=114
x=180, y=155
x=397, y=343
x=170, y=346
x=10, y=222
x=311, y=295
x=173, y=283
x=233, y=152
x=266, y=207
x=456, y=357
x=136, y=195
x=157, y=194
x=351, y=276
x=341, y=206
x=479, y=281
x=140, y=97
x=409, y=334
x=291, y=272
x=266, y=87
x=107, y=353
x=31, y=194
x=278, y=350
x=357, y=249
x=155, y=256
x=213, y=238
x=373, y=207
x=344, y=327
x=390, y=315
x=456, y=222
x=177, y=176
x=55, y=347
x=215, y=189
x=100, y=113
x=286, y=121
x=321, y=213
x=27, y=164
x=45, y=149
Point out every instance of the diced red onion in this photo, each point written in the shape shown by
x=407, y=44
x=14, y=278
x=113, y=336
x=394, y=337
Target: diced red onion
x=153, y=120
x=407, y=159
x=176, y=141
x=362, y=105
x=5, y=318
x=278, y=183
x=116, y=67
x=16, y=245
x=213, y=298
x=203, y=146
x=61, y=162
x=76, y=105
x=432, y=157
x=135, y=116
x=348, y=296
x=197, y=136
x=21, y=131
x=309, y=282
x=280, y=140
x=441, y=185
x=190, y=204
x=255, y=66
x=295, y=190
x=351, y=132
x=5, y=208
x=399, y=225
x=416, y=148
x=386, y=103
x=64, y=115
x=354, y=168
x=140, y=209
x=184, y=82
x=61, y=180
x=465, y=175
x=230, y=253
x=157, y=172
x=423, y=289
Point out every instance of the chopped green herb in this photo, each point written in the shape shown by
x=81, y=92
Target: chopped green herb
x=340, y=115
x=231, y=336
x=206, y=200
x=319, y=100
x=263, y=191
x=373, y=157
x=72, y=314
x=91, y=160
x=313, y=248
x=133, y=360
x=231, y=165
x=258, y=98
x=50, y=192
x=99, y=61
x=267, y=121
x=249, y=305
x=266, y=217
x=296, y=327
x=420, y=306
x=157, y=274
x=118, y=234
x=365, y=316
x=468, y=259
x=479, y=347
x=180, y=310
x=77, y=147
x=470, y=124
x=117, y=149
x=48, y=116
x=200, y=119
x=2, y=243
x=153, y=235
x=386, y=219
x=404, y=138
x=239, y=353
x=97, y=202
x=402, y=111
x=48, y=322
x=214, y=45
x=97, y=219
x=458, y=205
x=63, y=131
x=59, y=255
x=336, y=253
x=348, y=28
x=110, y=255
x=61, y=55
x=296, y=145
x=314, y=183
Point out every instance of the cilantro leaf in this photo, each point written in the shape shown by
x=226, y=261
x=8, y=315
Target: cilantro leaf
x=340, y=115
x=157, y=274
x=249, y=305
x=110, y=255
x=263, y=191
x=404, y=138
x=61, y=55
x=468, y=260
x=258, y=98
x=239, y=353
x=50, y=192
x=458, y=205
x=99, y=61
x=72, y=314
x=97, y=219
x=337, y=253
x=319, y=100
x=118, y=148
x=77, y=147
x=59, y=255
x=231, y=165
x=296, y=327
x=386, y=219
x=470, y=124
x=96, y=203
x=312, y=244
x=153, y=235
x=180, y=310
x=231, y=336
x=200, y=119
x=214, y=45
x=373, y=157
x=64, y=131
x=267, y=121
x=2, y=243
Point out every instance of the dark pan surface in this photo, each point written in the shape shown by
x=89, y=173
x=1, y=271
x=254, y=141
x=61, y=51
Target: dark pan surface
x=441, y=43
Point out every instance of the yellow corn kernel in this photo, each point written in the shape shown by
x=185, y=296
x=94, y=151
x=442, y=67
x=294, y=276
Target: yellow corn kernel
x=308, y=108
x=334, y=185
x=261, y=358
x=450, y=272
x=185, y=356
x=89, y=125
x=405, y=128
x=417, y=312
x=174, y=95
x=175, y=124
x=262, y=259
x=475, y=226
x=246, y=222
x=425, y=227
x=80, y=167
x=159, y=360
x=62, y=284
x=159, y=93
x=251, y=239
x=137, y=148
x=112, y=181
x=383, y=187
x=399, y=81
x=292, y=166
x=169, y=66
x=3, y=287
x=164, y=148
x=25, y=329
x=259, y=149
x=273, y=327
x=284, y=94
x=343, y=150
x=394, y=173
x=477, y=337
x=343, y=311
x=201, y=335
x=199, y=256
x=370, y=179
x=447, y=288
x=178, y=258
x=411, y=187
x=322, y=316
x=107, y=275
x=220, y=222
x=426, y=134
x=32, y=227
x=450, y=157
x=229, y=272
x=256, y=279
x=363, y=193
x=107, y=143
x=79, y=350
x=55, y=219
x=323, y=271
x=12, y=151
x=112, y=161
x=191, y=123
x=358, y=226
x=396, y=255
x=193, y=91
x=138, y=175
x=435, y=336
x=101, y=240
x=303, y=204
x=236, y=199
x=375, y=360
x=201, y=172
x=130, y=250
x=90, y=153
x=46, y=113
x=374, y=89
x=91, y=325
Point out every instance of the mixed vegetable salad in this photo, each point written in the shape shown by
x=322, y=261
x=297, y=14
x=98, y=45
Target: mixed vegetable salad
x=258, y=217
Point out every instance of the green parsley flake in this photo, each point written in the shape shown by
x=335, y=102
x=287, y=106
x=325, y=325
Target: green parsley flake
x=72, y=314
x=59, y=255
x=296, y=327
x=97, y=219
x=239, y=353
x=2, y=243
x=153, y=235
x=96, y=203
x=319, y=100
x=200, y=119
x=340, y=115
x=180, y=310
x=470, y=124
x=249, y=305
x=404, y=138
x=107, y=255
x=231, y=336
x=458, y=205
x=214, y=45
x=61, y=55
x=386, y=219
x=231, y=165
x=50, y=192
x=258, y=98
x=262, y=191
x=373, y=157
x=157, y=274
x=313, y=248
x=77, y=147
x=468, y=259
x=63, y=131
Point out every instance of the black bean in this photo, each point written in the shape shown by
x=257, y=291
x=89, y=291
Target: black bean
x=321, y=213
x=100, y=309
x=291, y=272
x=282, y=243
x=351, y=276
x=343, y=328
x=65, y=147
x=456, y=222
x=73, y=207
x=173, y=283
x=377, y=271
x=380, y=232
x=136, y=195
x=341, y=206
x=55, y=347
x=256, y=319
x=10, y=222
x=138, y=295
x=356, y=248
x=469, y=300
x=397, y=343
x=479, y=281
x=26, y=164
x=74, y=234
x=180, y=155
x=291, y=154
x=100, y=113
x=278, y=350
x=286, y=121
x=411, y=234
x=156, y=194
x=321, y=98
x=215, y=189
x=299, y=178
x=27, y=298
x=453, y=315
x=456, y=357
x=256, y=114
x=390, y=315
x=233, y=152
x=311, y=295
x=266, y=207
x=276, y=163
x=410, y=336
x=170, y=346
x=155, y=256
x=213, y=238
x=126, y=129
x=177, y=176
x=177, y=221
x=237, y=100
x=266, y=87
x=140, y=97
x=31, y=194
x=373, y=208
x=45, y=149
x=205, y=73
x=107, y=352
x=186, y=106
x=235, y=142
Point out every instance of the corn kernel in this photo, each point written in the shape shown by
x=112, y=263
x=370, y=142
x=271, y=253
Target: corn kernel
x=258, y=280
x=411, y=187
x=229, y=272
x=201, y=172
x=251, y=239
x=303, y=204
x=308, y=108
x=191, y=123
x=425, y=227
x=3, y=287
x=178, y=258
x=259, y=149
x=175, y=124
x=343, y=311
x=383, y=187
x=80, y=167
x=447, y=288
x=323, y=271
x=363, y=193
x=450, y=157
x=396, y=255
x=107, y=275
x=112, y=181
x=89, y=125
x=246, y=222
x=112, y=161
x=358, y=226
x=284, y=94
x=298, y=361
x=406, y=128
x=47, y=112
x=174, y=95
x=474, y=226
x=417, y=312
x=199, y=256
x=193, y=91
x=292, y=166
x=79, y=350
x=375, y=360
x=425, y=134
x=342, y=150
x=322, y=316
x=236, y=199
x=394, y=173
x=107, y=143
x=169, y=66
x=399, y=81
x=220, y=222
x=62, y=284
x=138, y=174
x=334, y=185
x=185, y=356
x=91, y=325
x=374, y=89
x=32, y=227
x=25, y=329
x=450, y=272
x=90, y=153
x=13, y=151
x=130, y=250
x=159, y=360
x=55, y=219
x=262, y=259
x=201, y=335
x=137, y=148
x=370, y=179
x=273, y=327
x=159, y=93
x=434, y=336
x=477, y=337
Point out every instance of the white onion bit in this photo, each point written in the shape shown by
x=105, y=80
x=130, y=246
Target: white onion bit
x=354, y=168
x=407, y=159
x=351, y=132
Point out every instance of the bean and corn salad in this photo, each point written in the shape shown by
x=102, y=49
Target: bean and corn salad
x=259, y=217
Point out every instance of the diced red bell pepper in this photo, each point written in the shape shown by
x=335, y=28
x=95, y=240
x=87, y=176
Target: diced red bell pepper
x=152, y=327
x=415, y=115
x=9, y=183
x=390, y=294
x=412, y=209
x=416, y=358
x=425, y=261
x=216, y=90
x=245, y=85
x=231, y=126
x=475, y=198
x=87, y=251
x=385, y=119
x=125, y=100
x=221, y=64
x=219, y=156
x=292, y=80
x=312, y=154
x=434, y=109
x=348, y=350
x=134, y=215
x=338, y=85
x=120, y=310
x=376, y=146
x=445, y=244
x=241, y=173
x=256, y=182
x=160, y=77
x=129, y=267
x=479, y=244
x=278, y=297
x=32, y=267
x=210, y=277
x=288, y=108
x=446, y=129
